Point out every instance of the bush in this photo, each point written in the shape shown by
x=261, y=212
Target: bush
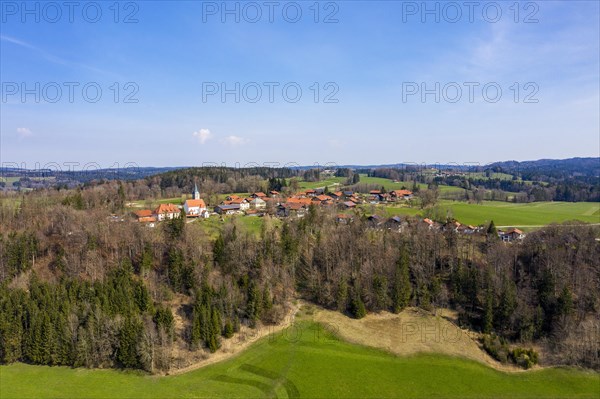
x=525, y=358
x=496, y=347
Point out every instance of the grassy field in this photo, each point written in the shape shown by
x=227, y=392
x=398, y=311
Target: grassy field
x=253, y=225
x=509, y=214
x=305, y=362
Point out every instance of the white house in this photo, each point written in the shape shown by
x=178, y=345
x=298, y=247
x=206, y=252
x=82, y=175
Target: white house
x=166, y=211
x=258, y=203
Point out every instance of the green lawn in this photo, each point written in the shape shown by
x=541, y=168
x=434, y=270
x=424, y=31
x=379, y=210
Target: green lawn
x=305, y=363
x=509, y=214
x=251, y=224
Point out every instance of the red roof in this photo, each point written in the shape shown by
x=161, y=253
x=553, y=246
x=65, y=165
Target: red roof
x=260, y=194
x=166, y=208
x=304, y=201
x=322, y=198
x=143, y=213
x=401, y=193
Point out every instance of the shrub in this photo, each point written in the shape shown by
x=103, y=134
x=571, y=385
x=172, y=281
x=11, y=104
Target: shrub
x=525, y=358
x=496, y=347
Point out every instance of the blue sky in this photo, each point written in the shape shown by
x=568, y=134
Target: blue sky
x=371, y=61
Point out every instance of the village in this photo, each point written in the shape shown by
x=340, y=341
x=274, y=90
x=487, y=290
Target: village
x=297, y=205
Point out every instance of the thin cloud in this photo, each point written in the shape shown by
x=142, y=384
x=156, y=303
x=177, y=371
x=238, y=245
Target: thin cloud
x=234, y=140
x=50, y=57
x=203, y=135
x=24, y=132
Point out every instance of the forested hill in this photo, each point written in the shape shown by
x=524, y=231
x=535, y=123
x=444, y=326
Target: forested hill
x=545, y=169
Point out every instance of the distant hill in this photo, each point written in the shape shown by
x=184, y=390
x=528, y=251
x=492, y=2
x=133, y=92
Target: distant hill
x=555, y=168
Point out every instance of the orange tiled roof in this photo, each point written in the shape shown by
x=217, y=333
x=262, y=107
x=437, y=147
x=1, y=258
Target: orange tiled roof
x=166, y=208
x=193, y=203
x=143, y=213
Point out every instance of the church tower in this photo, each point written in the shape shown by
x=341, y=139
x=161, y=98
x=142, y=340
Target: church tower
x=196, y=193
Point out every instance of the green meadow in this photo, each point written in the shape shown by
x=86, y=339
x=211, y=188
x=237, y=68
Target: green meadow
x=509, y=214
x=305, y=362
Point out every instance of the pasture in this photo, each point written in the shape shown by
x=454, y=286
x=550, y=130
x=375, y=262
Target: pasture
x=305, y=361
x=510, y=214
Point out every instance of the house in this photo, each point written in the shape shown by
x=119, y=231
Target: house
x=145, y=216
x=348, y=204
x=348, y=194
x=195, y=208
x=242, y=203
x=396, y=223
x=336, y=195
x=430, y=223
x=167, y=211
x=273, y=194
x=343, y=218
x=311, y=193
x=374, y=220
x=304, y=201
x=511, y=235
x=259, y=195
x=228, y=209
x=257, y=203
x=292, y=208
x=401, y=194
x=322, y=200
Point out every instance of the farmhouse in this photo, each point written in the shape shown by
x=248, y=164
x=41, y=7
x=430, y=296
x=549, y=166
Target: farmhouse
x=145, y=216
x=348, y=204
x=257, y=203
x=401, y=194
x=242, y=203
x=167, y=211
x=511, y=235
x=228, y=209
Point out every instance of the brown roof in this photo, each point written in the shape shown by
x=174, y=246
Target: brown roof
x=304, y=201
x=294, y=205
x=166, y=208
x=143, y=213
x=260, y=194
x=401, y=193
x=375, y=192
x=323, y=198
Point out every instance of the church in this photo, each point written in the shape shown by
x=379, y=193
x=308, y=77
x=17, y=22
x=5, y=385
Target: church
x=195, y=207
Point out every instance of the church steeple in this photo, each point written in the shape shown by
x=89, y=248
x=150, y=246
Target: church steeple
x=196, y=193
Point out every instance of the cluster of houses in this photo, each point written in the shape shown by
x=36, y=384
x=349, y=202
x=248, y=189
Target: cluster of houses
x=256, y=204
x=509, y=235
x=193, y=208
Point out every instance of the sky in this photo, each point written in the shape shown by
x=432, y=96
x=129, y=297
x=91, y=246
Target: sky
x=150, y=83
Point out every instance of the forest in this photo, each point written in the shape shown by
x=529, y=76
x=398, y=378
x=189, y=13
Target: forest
x=79, y=288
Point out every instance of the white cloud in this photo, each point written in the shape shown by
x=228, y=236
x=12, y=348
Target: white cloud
x=24, y=132
x=202, y=135
x=234, y=140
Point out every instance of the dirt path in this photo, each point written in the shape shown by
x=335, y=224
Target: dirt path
x=239, y=342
